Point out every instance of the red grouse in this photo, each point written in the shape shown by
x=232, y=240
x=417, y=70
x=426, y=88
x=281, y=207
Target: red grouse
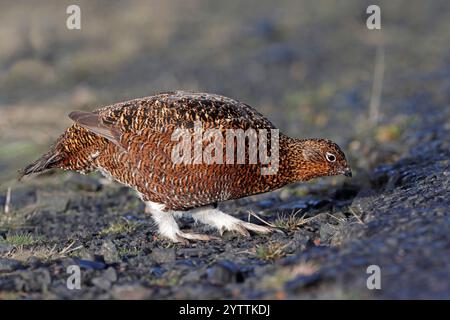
x=157, y=145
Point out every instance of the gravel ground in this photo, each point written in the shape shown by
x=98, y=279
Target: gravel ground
x=332, y=233
x=309, y=67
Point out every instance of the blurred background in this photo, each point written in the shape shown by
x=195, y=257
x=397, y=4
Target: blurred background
x=310, y=66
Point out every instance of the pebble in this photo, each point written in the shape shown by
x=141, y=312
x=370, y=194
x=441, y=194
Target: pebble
x=5, y=248
x=105, y=280
x=131, y=292
x=9, y=265
x=109, y=252
x=224, y=272
x=90, y=265
x=160, y=255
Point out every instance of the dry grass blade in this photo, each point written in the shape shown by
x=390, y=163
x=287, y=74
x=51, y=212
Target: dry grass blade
x=23, y=253
x=68, y=248
x=7, y=201
x=251, y=213
x=336, y=218
x=292, y=222
x=272, y=251
x=271, y=225
x=356, y=216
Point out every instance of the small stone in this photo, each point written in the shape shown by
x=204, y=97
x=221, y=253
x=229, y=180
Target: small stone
x=86, y=254
x=326, y=232
x=5, y=248
x=34, y=262
x=105, y=280
x=193, y=276
x=160, y=255
x=33, y=280
x=101, y=283
x=131, y=292
x=110, y=274
x=109, y=252
x=301, y=242
x=43, y=279
x=224, y=272
x=192, y=252
x=157, y=271
x=9, y=265
x=89, y=265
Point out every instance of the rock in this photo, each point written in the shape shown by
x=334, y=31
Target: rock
x=193, y=252
x=86, y=254
x=327, y=231
x=9, y=265
x=5, y=248
x=42, y=279
x=109, y=252
x=224, y=272
x=160, y=255
x=131, y=292
x=90, y=265
x=193, y=276
x=106, y=279
x=8, y=283
x=348, y=232
x=157, y=271
x=301, y=242
x=31, y=281
x=111, y=274
x=34, y=262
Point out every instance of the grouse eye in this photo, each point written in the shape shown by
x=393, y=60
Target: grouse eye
x=330, y=157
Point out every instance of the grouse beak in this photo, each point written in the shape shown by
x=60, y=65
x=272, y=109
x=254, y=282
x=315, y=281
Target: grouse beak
x=347, y=172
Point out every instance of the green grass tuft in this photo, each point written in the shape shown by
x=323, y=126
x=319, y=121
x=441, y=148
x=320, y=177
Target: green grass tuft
x=120, y=228
x=21, y=239
x=272, y=251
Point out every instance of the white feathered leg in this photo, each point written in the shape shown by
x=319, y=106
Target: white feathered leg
x=168, y=227
x=224, y=222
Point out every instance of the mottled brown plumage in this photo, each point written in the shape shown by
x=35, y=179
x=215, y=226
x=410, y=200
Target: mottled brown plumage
x=132, y=143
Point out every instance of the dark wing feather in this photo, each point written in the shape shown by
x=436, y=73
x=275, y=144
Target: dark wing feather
x=93, y=122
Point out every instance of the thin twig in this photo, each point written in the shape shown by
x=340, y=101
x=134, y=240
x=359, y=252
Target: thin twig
x=52, y=250
x=67, y=249
x=8, y=200
x=356, y=216
x=251, y=213
x=274, y=227
x=340, y=220
x=310, y=218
